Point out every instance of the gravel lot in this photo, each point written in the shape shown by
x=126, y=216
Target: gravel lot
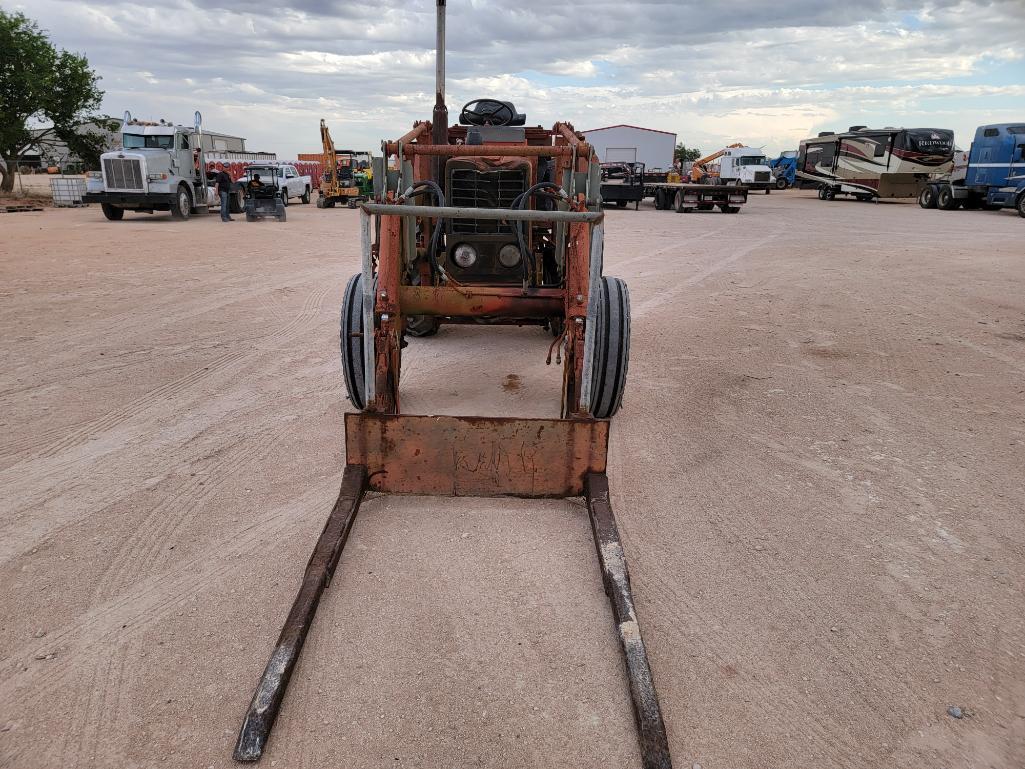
x=818, y=472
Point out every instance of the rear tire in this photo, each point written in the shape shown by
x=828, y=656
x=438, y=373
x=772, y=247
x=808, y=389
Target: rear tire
x=182, y=206
x=1020, y=206
x=945, y=200
x=927, y=197
x=612, y=348
x=305, y=196
x=351, y=342
x=621, y=204
x=236, y=202
x=112, y=213
x=678, y=202
x=729, y=209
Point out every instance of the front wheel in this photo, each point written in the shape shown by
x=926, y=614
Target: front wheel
x=611, y=355
x=351, y=342
x=781, y=183
x=284, y=197
x=182, y=206
x=112, y=213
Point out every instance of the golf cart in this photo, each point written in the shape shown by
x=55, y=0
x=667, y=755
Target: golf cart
x=262, y=197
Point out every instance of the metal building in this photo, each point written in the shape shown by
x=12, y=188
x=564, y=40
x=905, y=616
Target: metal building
x=619, y=143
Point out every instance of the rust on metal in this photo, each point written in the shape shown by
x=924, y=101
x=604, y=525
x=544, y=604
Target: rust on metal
x=479, y=150
x=476, y=456
x=481, y=301
x=651, y=730
x=263, y=709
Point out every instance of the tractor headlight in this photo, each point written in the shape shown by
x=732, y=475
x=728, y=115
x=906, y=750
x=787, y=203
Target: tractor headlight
x=464, y=255
x=509, y=255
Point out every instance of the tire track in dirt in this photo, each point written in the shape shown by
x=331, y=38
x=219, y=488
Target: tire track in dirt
x=140, y=553
x=131, y=613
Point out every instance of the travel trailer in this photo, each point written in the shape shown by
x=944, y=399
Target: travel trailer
x=876, y=163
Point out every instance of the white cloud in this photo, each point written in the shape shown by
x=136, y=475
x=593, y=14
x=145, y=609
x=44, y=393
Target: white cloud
x=710, y=72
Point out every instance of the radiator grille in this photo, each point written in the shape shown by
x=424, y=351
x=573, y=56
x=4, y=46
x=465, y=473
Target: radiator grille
x=123, y=173
x=483, y=189
x=761, y=176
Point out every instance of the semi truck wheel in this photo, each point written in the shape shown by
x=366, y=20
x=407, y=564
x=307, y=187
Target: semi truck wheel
x=112, y=213
x=945, y=200
x=351, y=342
x=182, y=206
x=781, y=183
x=611, y=348
x=927, y=197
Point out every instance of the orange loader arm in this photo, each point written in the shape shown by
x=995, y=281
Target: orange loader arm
x=698, y=169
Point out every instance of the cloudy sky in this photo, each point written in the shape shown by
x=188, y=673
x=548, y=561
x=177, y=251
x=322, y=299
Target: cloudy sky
x=767, y=73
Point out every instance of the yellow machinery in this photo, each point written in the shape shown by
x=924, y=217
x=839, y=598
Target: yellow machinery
x=346, y=175
x=699, y=171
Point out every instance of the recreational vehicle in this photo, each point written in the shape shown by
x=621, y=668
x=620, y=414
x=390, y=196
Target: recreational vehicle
x=875, y=163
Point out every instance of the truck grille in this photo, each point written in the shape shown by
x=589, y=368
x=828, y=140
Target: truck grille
x=470, y=188
x=123, y=173
x=761, y=176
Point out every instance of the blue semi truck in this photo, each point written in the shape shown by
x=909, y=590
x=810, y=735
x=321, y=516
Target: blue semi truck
x=991, y=175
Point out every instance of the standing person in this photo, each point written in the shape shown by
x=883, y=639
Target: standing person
x=223, y=183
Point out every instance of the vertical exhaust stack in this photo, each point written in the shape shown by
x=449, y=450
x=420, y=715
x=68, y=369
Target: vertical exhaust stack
x=439, y=121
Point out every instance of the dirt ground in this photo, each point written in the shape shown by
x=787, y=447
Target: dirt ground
x=818, y=474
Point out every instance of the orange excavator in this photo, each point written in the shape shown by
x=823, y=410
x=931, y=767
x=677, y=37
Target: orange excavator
x=700, y=171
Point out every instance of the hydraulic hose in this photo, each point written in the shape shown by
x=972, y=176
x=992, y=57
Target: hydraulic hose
x=527, y=258
x=416, y=189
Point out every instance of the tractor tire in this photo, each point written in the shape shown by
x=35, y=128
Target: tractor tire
x=236, y=202
x=182, y=206
x=113, y=213
x=422, y=326
x=280, y=213
x=927, y=197
x=350, y=337
x=945, y=200
x=305, y=196
x=611, y=348
x=320, y=202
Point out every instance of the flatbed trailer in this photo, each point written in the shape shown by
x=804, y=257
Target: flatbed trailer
x=687, y=196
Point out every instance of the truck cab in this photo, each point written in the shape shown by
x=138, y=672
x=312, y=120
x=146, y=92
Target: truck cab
x=991, y=175
x=746, y=166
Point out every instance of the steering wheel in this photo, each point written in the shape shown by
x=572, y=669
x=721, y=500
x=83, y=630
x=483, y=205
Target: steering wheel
x=486, y=112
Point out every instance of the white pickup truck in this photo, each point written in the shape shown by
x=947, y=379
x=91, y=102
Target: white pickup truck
x=291, y=183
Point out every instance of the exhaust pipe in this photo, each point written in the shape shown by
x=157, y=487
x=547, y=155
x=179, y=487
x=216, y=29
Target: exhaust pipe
x=439, y=122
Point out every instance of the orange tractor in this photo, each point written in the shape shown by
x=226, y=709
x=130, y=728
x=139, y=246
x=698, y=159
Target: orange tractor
x=487, y=222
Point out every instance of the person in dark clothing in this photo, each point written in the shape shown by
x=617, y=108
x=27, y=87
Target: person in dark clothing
x=223, y=183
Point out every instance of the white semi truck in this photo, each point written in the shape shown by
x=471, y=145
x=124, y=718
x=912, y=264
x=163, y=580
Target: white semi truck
x=162, y=167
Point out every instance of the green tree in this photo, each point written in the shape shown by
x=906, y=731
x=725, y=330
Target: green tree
x=43, y=85
x=683, y=152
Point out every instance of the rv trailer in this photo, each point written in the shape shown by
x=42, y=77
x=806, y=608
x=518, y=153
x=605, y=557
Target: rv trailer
x=875, y=163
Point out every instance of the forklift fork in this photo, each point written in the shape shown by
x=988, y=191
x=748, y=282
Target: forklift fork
x=468, y=456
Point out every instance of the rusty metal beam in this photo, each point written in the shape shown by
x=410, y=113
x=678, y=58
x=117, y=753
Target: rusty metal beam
x=476, y=456
x=263, y=709
x=481, y=301
x=480, y=150
x=491, y=214
x=651, y=730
